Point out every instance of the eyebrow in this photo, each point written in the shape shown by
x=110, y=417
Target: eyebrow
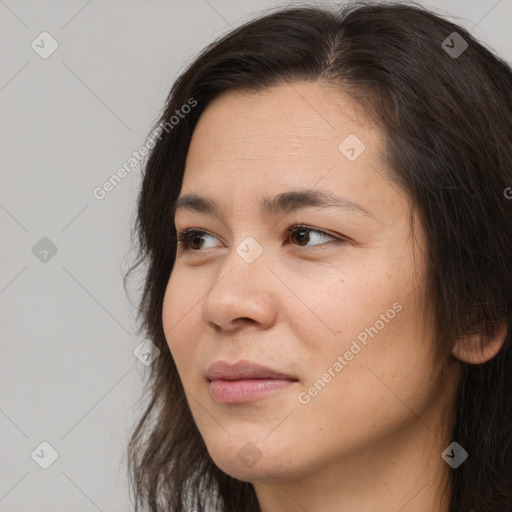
x=279, y=204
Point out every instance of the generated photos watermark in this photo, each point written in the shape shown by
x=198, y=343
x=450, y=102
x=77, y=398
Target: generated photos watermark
x=304, y=397
x=100, y=192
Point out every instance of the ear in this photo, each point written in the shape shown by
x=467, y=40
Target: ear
x=476, y=349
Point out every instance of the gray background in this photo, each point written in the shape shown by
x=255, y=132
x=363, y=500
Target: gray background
x=68, y=374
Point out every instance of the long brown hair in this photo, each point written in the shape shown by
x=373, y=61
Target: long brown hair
x=447, y=121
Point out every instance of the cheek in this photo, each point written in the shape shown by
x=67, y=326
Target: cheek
x=376, y=322
x=179, y=319
x=384, y=387
x=391, y=377
x=344, y=305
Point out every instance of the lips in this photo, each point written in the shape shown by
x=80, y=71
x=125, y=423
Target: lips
x=245, y=382
x=243, y=370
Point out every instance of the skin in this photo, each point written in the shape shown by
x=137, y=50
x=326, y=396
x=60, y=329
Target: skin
x=371, y=439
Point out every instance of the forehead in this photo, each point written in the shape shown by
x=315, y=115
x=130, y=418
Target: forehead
x=289, y=122
x=247, y=146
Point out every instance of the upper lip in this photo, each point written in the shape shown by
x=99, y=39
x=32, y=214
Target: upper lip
x=243, y=370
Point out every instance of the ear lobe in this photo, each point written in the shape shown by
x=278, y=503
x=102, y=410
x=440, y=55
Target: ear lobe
x=469, y=348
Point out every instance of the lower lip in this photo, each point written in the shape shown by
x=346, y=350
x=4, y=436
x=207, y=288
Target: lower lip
x=239, y=391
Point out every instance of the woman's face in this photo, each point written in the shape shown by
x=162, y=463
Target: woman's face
x=338, y=311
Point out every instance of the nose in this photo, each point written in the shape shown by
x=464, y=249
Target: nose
x=242, y=293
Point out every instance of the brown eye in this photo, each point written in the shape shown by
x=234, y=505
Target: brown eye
x=301, y=236
x=194, y=239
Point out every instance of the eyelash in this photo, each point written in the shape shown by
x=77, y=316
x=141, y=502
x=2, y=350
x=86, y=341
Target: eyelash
x=184, y=237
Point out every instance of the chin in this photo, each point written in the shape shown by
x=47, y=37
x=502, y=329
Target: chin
x=243, y=459
x=251, y=462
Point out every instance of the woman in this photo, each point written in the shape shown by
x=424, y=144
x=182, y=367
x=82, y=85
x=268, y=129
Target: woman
x=328, y=239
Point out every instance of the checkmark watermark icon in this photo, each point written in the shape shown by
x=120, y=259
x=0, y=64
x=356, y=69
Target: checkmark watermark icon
x=44, y=45
x=44, y=250
x=454, y=455
x=44, y=455
x=146, y=352
x=454, y=45
x=351, y=147
x=249, y=249
x=249, y=455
